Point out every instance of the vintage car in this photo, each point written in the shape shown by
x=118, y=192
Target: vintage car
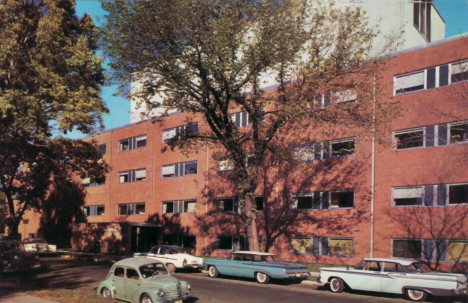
x=14, y=259
x=400, y=276
x=258, y=265
x=143, y=280
x=173, y=257
x=39, y=245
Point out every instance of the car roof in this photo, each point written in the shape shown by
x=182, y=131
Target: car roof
x=398, y=260
x=258, y=253
x=169, y=246
x=135, y=261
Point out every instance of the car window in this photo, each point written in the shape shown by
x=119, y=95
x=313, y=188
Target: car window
x=418, y=268
x=162, y=251
x=179, y=250
x=372, y=266
x=148, y=270
x=154, y=250
x=132, y=274
x=392, y=267
x=172, y=251
x=119, y=272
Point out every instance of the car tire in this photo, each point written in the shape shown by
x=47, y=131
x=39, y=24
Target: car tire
x=415, y=295
x=106, y=293
x=336, y=285
x=213, y=272
x=146, y=299
x=171, y=267
x=262, y=278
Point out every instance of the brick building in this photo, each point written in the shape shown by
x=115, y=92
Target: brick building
x=403, y=196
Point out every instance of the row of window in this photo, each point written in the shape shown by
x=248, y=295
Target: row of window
x=323, y=200
x=430, y=250
x=325, y=150
x=322, y=246
x=430, y=195
x=432, y=77
x=178, y=132
x=430, y=136
x=128, y=209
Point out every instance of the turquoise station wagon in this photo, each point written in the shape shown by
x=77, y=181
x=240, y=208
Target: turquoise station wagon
x=143, y=280
x=258, y=265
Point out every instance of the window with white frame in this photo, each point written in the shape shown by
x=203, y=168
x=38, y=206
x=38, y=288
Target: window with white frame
x=241, y=119
x=130, y=176
x=432, y=77
x=413, y=138
x=227, y=204
x=233, y=243
x=405, y=196
x=342, y=148
x=458, y=193
x=458, y=132
x=327, y=99
x=179, y=132
x=457, y=250
x=102, y=148
x=180, y=169
x=339, y=148
x=304, y=153
x=323, y=200
x=225, y=165
x=349, y=95
x=431, y=195
x=94, y=210
x=130, y=209
x=179, y=207
x=422, y=17
x=411, y=249
x=92, y=182
x=323, y=246
x=132, y=143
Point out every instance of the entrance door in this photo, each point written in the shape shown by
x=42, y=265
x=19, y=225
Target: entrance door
x=144, y=237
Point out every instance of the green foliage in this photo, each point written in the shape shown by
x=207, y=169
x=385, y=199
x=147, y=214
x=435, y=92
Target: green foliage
x=49, y=78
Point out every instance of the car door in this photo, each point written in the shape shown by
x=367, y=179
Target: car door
x=244, y=266
x=118, y=279
x=393, y=277
x=366, y=279
x=132, y=283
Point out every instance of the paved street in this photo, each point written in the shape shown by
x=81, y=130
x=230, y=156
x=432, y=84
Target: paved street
x=85, y=276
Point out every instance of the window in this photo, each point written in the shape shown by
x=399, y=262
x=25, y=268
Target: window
x=227, y=205
x=180, y=240
x=409, y=83
x=178, y=207
x=324, y=200
x=459, y=72
x=324, y=100
x=102, y=148
x=405, y=196
x=92, y=182
x=411, y=249
x=422, y=17
x=231, y=243
x=259, y=203
x=241, y=119
x=119, y=272
x=131, y=209
x=325, y=150
x=458, y=193
x=342, y=148
x=457, y=251
x=349, y=95
x=178, y=132
x=94, y=210
x=323, y=246
x=409, y=139
x=458, y=132
x=132, y=176
x=225, y=165
x=180, y=169
x=132, y=143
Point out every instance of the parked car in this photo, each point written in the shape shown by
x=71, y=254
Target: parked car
x=143, y=280
x=400, y=276
x=173, y=257
x=39, y=245
x=258, y=265
x=14, y=259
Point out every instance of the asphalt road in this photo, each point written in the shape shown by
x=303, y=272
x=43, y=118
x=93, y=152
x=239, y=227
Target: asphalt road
x=86, y=276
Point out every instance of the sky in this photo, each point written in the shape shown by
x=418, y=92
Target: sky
x=454, y=13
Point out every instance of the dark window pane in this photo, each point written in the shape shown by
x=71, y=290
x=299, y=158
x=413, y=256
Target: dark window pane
x=342, y=199
x=407, y=249
x=458, y=194
x=458, y=133
x=431, y=77
x=409, y=139
x=225, y=243
x=304, y=202
x=443, y=75
x=343, y=149
x=190, y=168
x=259, y=203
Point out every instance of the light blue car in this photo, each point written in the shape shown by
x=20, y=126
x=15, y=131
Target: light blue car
x=143, y=280
x=258, y=265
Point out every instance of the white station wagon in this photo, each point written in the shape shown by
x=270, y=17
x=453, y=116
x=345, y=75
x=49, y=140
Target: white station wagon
x=173, y=257
x=400, y=276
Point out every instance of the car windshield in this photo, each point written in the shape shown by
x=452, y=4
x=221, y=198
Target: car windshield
x=418, y=267
x=177, y=250
x=152, y=269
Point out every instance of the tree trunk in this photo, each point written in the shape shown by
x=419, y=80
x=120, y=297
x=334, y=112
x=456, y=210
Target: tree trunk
x=252, y=231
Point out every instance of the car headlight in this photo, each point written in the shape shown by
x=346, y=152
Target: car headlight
x=188, y=287
x=160, y=293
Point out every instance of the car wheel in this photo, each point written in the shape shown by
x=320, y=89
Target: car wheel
x=171, y=268
x=262, y=278
x=336, y=285
x=415, y=295
x=146, y=299
x=106, y=293
x=213, y=272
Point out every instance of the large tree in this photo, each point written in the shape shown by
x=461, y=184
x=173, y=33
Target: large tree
x=211, y=59
x=50, y=82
